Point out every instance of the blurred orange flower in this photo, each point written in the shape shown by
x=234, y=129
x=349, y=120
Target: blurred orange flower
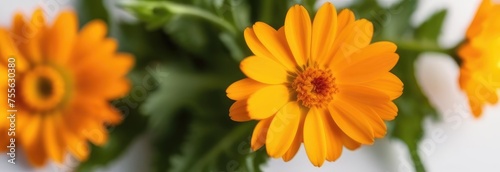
x=480, y=55
x=321, y=83
x=65, y=80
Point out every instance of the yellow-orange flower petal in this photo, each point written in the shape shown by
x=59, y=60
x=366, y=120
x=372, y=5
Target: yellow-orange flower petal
x=315, y=136
x=267, y=101
x=345, y=17
x=349, y=143
x=32, y=129
x=60, y=37
x=386, y=111
x=294, y=148
x=369, y=69
x=65, y=81
x=37, y=154
x=329, y=72
x=298, y=33
x=351, y=122
x=29, y=34
x=480, y=58
x=243, y=88
x=260, y=133
x=238, y=111
x=358, y=35
x=264, y=70
x=9, y=50
x=389, y=84
x=325, y=23
x=52, y=138
x=275, y=43
x=333, y=141
x=373, y=50
x=90, y=35
x=285, y=123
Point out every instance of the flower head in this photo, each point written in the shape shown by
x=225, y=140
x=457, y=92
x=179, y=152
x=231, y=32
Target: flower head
x=480, y=58
x=64, y=82
x=321, y=83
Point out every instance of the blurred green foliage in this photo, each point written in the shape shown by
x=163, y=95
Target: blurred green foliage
x=190, y=51
x=394, y=25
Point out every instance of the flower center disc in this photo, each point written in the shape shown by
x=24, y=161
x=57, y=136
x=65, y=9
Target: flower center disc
x=43, y=88
x=315, y=87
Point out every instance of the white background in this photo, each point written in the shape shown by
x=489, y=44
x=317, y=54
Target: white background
x=458, y=143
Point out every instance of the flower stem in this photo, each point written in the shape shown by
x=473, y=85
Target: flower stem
x=420, y=47
x=415, y=157
x=176, y=8
x=223, y=144
x=428, y=47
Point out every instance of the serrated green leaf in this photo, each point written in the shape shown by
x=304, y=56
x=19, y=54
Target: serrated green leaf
x=188, y=32
x=216, y=148
x=208, y=139
x=177, y=88
x=431, y=28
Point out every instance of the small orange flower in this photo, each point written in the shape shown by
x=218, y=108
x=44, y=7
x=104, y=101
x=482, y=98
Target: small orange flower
x=64, y=82
x=321, y=83
x=480, y=55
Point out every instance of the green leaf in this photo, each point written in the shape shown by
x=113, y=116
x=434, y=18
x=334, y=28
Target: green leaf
x=233, y=46
x=396, y=21
x=179, y=85
x=162, y=140
x=413, y=106
x=240, y=13
x=91, y=9
x=154, y=11
x=229, y=149
x=147, y=46
x=207, y=138
x=194, y=27
x=430, y=29
x=372, y=11
x=401, y=14
x=271, y=12
x=189, y=33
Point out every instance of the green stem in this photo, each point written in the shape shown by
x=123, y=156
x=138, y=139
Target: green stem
x=267, y=11
x=176, y=8
x=458, y=60
x=420, y=47
x=454, y=53
x=233, y=136
x=423, y=47
x=417, y=162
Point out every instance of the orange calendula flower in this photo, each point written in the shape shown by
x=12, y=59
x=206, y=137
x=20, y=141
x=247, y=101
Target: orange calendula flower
x=480, y=56
x=64, y=82
x=321, y=83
